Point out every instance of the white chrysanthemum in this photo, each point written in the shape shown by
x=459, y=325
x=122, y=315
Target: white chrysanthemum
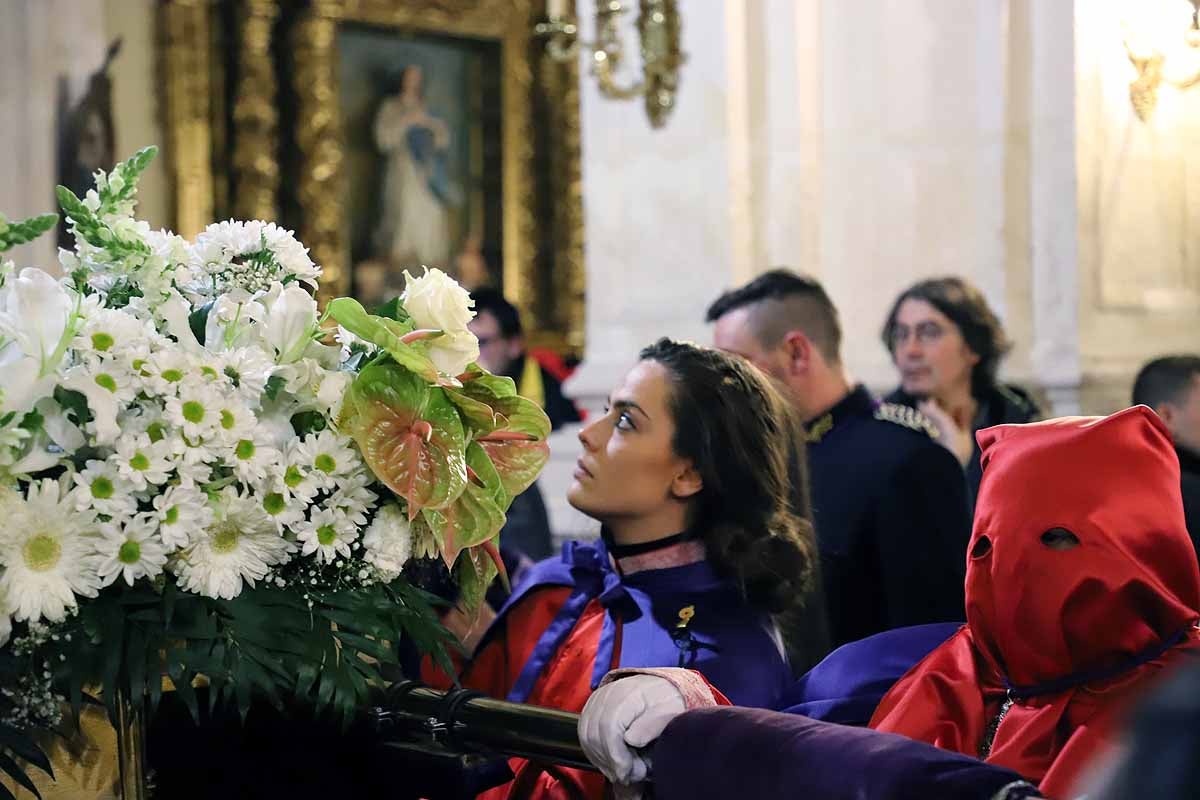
x=199, y=472
x=388, y=542
x=189, y=455
x=230, y=255
x=113, y=376
x=167, y=370
x=130, y=550
x=285, y=510
x=196, y=411
x=330, y=457
x=352, y=499
x=237, y=421
x=239, y=546
x=327, y=534
x=48, y=552
x=294, y=478
x=143, y=416
x=108, y=331
x=252, y=460
x=141, y=462
x=102, y=489
x=182, y=510
x=249, y=368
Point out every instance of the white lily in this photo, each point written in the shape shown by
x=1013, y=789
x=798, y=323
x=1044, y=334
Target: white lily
x=174, y=311
x=37, y=314
x=290, y=323
x=231, y=323
x=20, y=381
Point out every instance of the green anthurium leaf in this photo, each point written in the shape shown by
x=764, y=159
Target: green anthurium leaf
x=487, y=387
x=474, y=573
x=410, y=435
x=384, y=333
x=518, y=449
x=477, y=515
x=478, y=415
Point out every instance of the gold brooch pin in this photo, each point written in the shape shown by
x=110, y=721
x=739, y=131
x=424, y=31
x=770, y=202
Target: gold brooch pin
x=685, y=616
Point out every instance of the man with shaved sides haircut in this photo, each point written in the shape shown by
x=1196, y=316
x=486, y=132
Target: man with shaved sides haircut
x=889, y=503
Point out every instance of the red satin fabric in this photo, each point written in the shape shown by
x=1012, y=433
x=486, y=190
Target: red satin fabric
x=1035, y=614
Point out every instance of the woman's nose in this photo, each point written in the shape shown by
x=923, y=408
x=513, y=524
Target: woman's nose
x=586, y=434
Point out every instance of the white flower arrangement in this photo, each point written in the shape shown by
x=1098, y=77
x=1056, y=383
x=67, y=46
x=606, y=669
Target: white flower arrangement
x=185, y=435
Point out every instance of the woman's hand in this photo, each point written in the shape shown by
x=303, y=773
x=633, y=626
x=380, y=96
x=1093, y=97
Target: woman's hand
x=623, y=717
x=954, y=435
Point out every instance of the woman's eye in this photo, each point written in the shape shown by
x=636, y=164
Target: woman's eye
x=625, y=422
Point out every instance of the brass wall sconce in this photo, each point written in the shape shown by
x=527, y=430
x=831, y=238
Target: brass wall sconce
x=658, y=27
x=1165, y=50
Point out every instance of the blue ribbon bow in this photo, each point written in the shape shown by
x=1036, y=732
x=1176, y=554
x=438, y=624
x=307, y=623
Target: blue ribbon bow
x=595, y=579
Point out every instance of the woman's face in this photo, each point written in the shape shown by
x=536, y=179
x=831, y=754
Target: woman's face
x=410, y=82
x=628, y=469
x=929, y=350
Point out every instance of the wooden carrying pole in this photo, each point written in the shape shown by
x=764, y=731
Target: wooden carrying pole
x=465, y=722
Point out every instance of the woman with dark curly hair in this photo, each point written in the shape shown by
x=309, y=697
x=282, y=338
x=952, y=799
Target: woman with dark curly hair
x=947, y=345
x=691, y=471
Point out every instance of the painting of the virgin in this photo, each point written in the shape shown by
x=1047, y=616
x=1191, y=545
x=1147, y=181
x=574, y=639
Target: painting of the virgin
x=422, y=138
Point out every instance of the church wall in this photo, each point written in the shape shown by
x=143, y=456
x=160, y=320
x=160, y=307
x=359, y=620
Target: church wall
x=1139, y=200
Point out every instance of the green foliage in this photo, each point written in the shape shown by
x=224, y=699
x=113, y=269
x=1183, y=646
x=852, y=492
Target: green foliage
x=518, y=461
x=15, y=233
x=477, y=515
x=327, y=648
x=386, y=334
x=114, y=196
x=409, y=434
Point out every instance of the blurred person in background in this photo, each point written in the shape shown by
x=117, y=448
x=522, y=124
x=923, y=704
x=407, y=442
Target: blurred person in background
x=1171, y=386
x=947, y=344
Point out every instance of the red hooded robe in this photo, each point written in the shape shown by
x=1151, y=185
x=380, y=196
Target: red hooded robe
x=1069, y=635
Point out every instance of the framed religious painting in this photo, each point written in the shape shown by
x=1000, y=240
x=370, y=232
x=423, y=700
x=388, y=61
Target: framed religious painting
x=391, y=135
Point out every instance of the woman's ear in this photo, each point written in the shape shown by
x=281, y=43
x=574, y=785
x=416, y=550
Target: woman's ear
x=687, y=483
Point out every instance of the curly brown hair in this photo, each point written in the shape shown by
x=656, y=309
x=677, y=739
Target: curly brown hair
x=746, y=442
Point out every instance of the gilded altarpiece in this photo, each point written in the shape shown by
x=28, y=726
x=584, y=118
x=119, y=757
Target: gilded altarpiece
x=274, y=109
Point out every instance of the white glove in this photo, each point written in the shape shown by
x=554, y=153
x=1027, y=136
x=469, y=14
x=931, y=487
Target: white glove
x=625, y=715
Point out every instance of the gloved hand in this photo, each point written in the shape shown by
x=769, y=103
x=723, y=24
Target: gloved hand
x=625, y=715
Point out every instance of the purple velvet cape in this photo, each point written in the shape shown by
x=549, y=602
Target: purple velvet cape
x=755, y=754
x=725, y=639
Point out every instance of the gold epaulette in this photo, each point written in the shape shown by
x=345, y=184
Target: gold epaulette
x=906, y=416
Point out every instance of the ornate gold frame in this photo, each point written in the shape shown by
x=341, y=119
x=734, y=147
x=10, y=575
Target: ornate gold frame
x=542, y=199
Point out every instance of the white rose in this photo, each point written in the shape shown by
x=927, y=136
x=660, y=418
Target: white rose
x=388, y=542
x=436, y=301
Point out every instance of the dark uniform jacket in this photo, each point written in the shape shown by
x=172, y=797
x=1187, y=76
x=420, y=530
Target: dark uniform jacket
x=890, y=507
x=1003, y=404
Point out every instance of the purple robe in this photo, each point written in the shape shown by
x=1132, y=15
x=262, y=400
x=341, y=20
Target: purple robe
x=733, y=645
